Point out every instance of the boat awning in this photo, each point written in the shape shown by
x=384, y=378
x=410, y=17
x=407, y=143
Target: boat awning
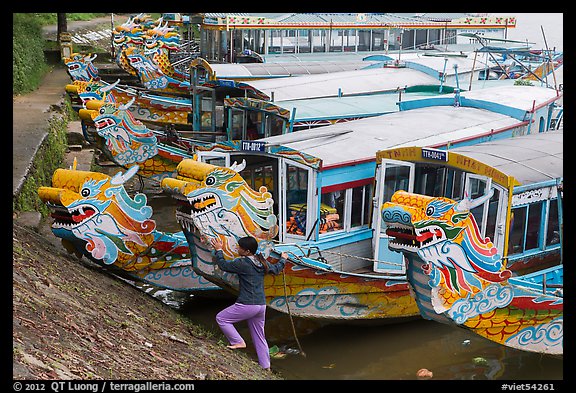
x=529, y=159
x=359, y=140
x=446, y=65
x=347, y=83
x=515, y=96
x=270, y=70
x=348, y=106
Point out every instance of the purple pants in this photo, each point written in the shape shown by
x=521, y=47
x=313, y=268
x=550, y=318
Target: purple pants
x=255, y=316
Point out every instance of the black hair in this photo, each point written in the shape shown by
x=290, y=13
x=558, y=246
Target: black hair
x=248, y=243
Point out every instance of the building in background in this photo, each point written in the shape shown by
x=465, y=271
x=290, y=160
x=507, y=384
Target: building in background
x=225, y=36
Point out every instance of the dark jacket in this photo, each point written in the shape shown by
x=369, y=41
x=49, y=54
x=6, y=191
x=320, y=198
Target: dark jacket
x=250, y=275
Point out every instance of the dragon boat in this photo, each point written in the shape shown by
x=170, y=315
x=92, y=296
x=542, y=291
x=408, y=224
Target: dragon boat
x=491, y=264
x=95, y=217
x=458, y=277
x=217, y=202
x=323, y=184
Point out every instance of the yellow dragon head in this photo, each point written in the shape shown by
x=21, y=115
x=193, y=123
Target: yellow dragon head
x=219, y=203
x=445, y=236
x=94, y=216
x=81, y=67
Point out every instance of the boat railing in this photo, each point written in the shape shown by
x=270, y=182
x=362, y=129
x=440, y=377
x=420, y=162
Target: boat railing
x=548, y=281
x=319, y=262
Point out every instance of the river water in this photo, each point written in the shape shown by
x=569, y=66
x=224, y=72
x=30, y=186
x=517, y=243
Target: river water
x=318, y=351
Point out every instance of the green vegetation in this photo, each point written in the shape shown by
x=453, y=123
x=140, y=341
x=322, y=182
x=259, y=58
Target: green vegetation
x=523, y=82
x=28, y=70
x=27, y=67
x=48, y=159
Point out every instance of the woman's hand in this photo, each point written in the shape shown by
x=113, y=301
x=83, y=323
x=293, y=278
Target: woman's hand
x=217, y=243
x=284, y=255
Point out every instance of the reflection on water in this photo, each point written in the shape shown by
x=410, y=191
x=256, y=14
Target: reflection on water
x=376, y=352
x=361, y=352
x=397, y=352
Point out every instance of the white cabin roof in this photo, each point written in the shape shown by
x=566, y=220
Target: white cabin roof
x=350, y=82
x=529, y=158
x=265, y=70
x=361, y=139
x=521, y=97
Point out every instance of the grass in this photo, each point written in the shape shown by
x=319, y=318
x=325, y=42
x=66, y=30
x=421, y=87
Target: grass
x=28, y=67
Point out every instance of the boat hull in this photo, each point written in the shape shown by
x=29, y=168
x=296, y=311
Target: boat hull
x=308, y=292
x=528, y=329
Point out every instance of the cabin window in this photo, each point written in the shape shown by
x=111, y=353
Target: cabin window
x=345, y=209
x=534, y=224
x=361, y=202
x=397, y=177
x=492, y=215
x=526, y=225
x=259, y=176
x=296, y=199
x=254, y=126
x=553, y=229
x=516, y=242
x=237, y=124
x=476, y=188
x=332, y=211
x=439, y=181
x=275, y=125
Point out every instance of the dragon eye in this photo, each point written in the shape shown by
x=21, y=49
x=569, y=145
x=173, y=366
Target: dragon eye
x=85, y=192
x=430, y=210
x=210, y=180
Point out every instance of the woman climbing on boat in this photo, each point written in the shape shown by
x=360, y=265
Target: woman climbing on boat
x=250, y=305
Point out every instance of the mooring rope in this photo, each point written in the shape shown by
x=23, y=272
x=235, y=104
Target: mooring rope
x=290, y=316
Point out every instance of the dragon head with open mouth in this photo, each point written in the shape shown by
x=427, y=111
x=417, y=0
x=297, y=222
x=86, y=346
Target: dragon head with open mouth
x=96, y=217
x=219, y=203
x=81, y=67
x=445, y=236
x=127, y=140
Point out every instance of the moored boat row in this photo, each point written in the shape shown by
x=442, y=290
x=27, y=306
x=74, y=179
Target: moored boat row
x=317, y=194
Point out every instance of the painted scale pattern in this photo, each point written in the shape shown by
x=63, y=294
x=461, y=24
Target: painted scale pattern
x=94, y=216
x=467, y=281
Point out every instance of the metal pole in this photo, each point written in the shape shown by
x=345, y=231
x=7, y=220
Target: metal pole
x=551, y=62
x=112, y=35
x=472, y=73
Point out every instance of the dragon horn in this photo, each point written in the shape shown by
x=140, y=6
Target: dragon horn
x=238, y=168
x=121, y=178
x=125, y=107
x=468, y=204
x=109, y=87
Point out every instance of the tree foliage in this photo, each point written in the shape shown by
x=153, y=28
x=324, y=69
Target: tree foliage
x=28, y=62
